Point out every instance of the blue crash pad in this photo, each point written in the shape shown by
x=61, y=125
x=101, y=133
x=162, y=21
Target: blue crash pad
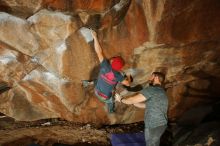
x=128, y=139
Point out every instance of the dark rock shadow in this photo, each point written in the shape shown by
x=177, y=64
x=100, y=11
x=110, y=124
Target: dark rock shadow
x=4, y=87
x=94, y=73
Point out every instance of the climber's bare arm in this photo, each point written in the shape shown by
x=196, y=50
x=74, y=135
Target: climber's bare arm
x=97, y=46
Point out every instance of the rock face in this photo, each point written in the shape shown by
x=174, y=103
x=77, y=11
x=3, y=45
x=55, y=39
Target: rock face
x=44, y=55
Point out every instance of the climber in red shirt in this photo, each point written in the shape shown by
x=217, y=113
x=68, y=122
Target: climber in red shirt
x=109, y=76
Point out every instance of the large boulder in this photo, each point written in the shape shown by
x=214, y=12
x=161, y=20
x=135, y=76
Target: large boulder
x=20, y=38
x=20, y=8
x=45, y=53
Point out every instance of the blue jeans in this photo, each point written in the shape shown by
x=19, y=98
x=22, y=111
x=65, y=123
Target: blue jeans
x=152, y=135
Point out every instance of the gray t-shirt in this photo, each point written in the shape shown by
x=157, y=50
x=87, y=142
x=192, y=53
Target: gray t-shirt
x=156, y=106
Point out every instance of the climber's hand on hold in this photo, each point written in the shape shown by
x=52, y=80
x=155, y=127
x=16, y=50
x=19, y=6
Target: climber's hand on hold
x=94, y=34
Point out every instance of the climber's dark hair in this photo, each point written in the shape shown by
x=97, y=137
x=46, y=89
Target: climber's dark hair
x=160, y=75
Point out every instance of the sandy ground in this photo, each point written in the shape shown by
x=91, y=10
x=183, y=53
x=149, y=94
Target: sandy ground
x=51, y=131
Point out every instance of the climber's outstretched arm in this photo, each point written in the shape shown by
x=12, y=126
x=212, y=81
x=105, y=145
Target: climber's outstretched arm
x=97, y=46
